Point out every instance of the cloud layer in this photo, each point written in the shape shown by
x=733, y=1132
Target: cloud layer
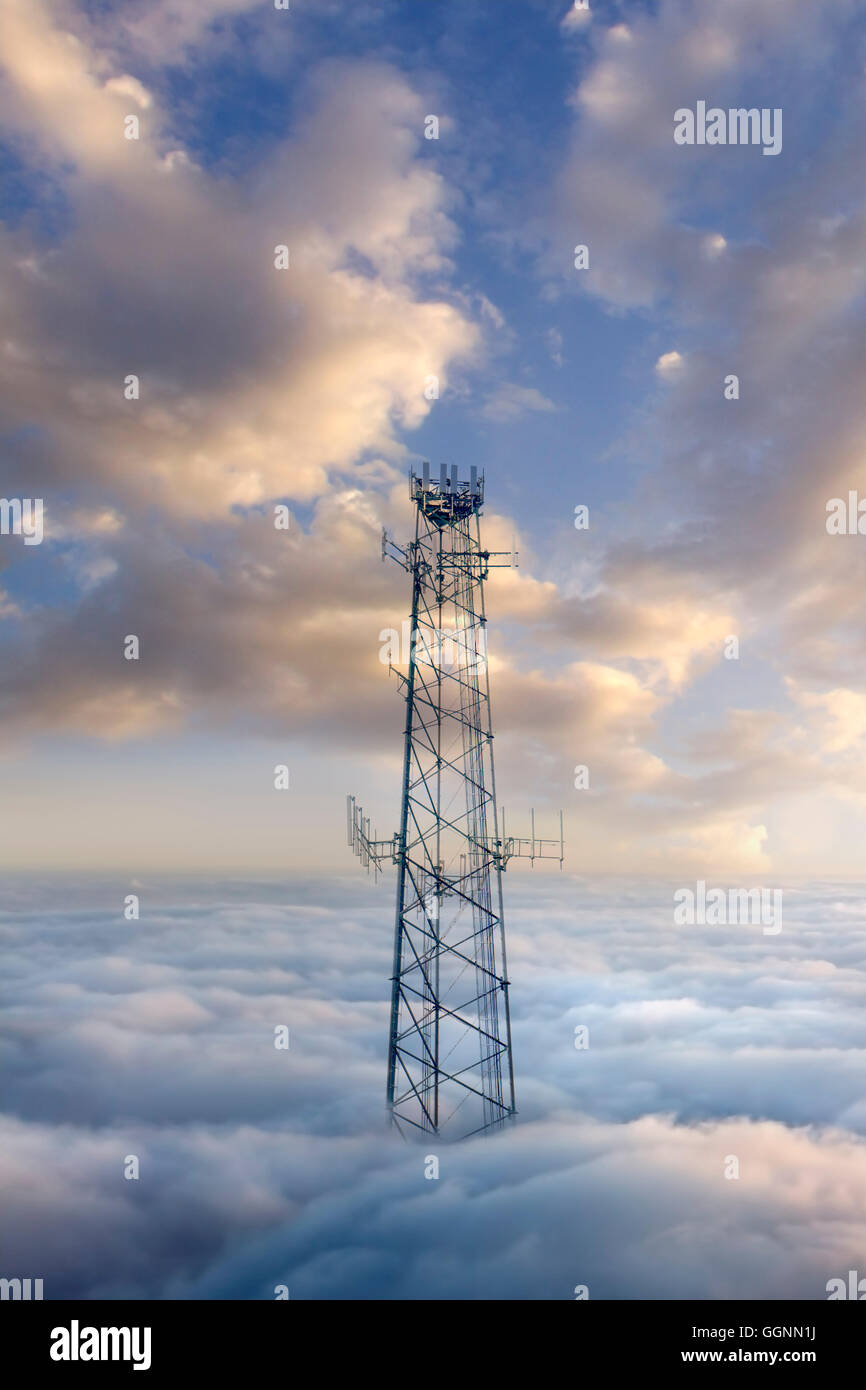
x=261, y=1167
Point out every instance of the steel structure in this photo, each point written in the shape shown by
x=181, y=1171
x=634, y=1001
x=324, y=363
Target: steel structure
x=450, y=1068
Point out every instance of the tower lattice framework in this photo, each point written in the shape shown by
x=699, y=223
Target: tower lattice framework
x=450, y=1067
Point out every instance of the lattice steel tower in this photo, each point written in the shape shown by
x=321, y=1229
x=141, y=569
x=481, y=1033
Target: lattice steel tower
x=450, y=1068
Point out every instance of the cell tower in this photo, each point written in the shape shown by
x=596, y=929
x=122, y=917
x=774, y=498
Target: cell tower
x=450, y=1068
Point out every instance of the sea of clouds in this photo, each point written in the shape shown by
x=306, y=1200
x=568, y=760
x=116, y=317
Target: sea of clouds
x=261, y=1167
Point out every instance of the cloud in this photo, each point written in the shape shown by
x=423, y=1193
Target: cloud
x=713, y=245
x=130, y=87
x=510, y=401
x=625, y=185
x=728, y=507
x=668, y=363
x=844, y=715
x=260, y=1167
x=255, y=382
x=258, y=385
x=577, y=18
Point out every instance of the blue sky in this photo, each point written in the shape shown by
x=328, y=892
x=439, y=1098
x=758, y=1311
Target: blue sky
x=451, y=257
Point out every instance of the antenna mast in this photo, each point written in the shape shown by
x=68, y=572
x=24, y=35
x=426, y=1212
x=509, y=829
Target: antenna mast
x=450, y=1068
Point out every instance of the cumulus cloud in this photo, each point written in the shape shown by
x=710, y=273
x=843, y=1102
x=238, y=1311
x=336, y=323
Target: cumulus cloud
x=669, y=362
x=255, y=384
x=258, y=384
x=254, y=381
x=729, y=507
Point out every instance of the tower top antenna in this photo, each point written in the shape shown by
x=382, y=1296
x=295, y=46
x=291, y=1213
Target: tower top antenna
x=447, y=498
